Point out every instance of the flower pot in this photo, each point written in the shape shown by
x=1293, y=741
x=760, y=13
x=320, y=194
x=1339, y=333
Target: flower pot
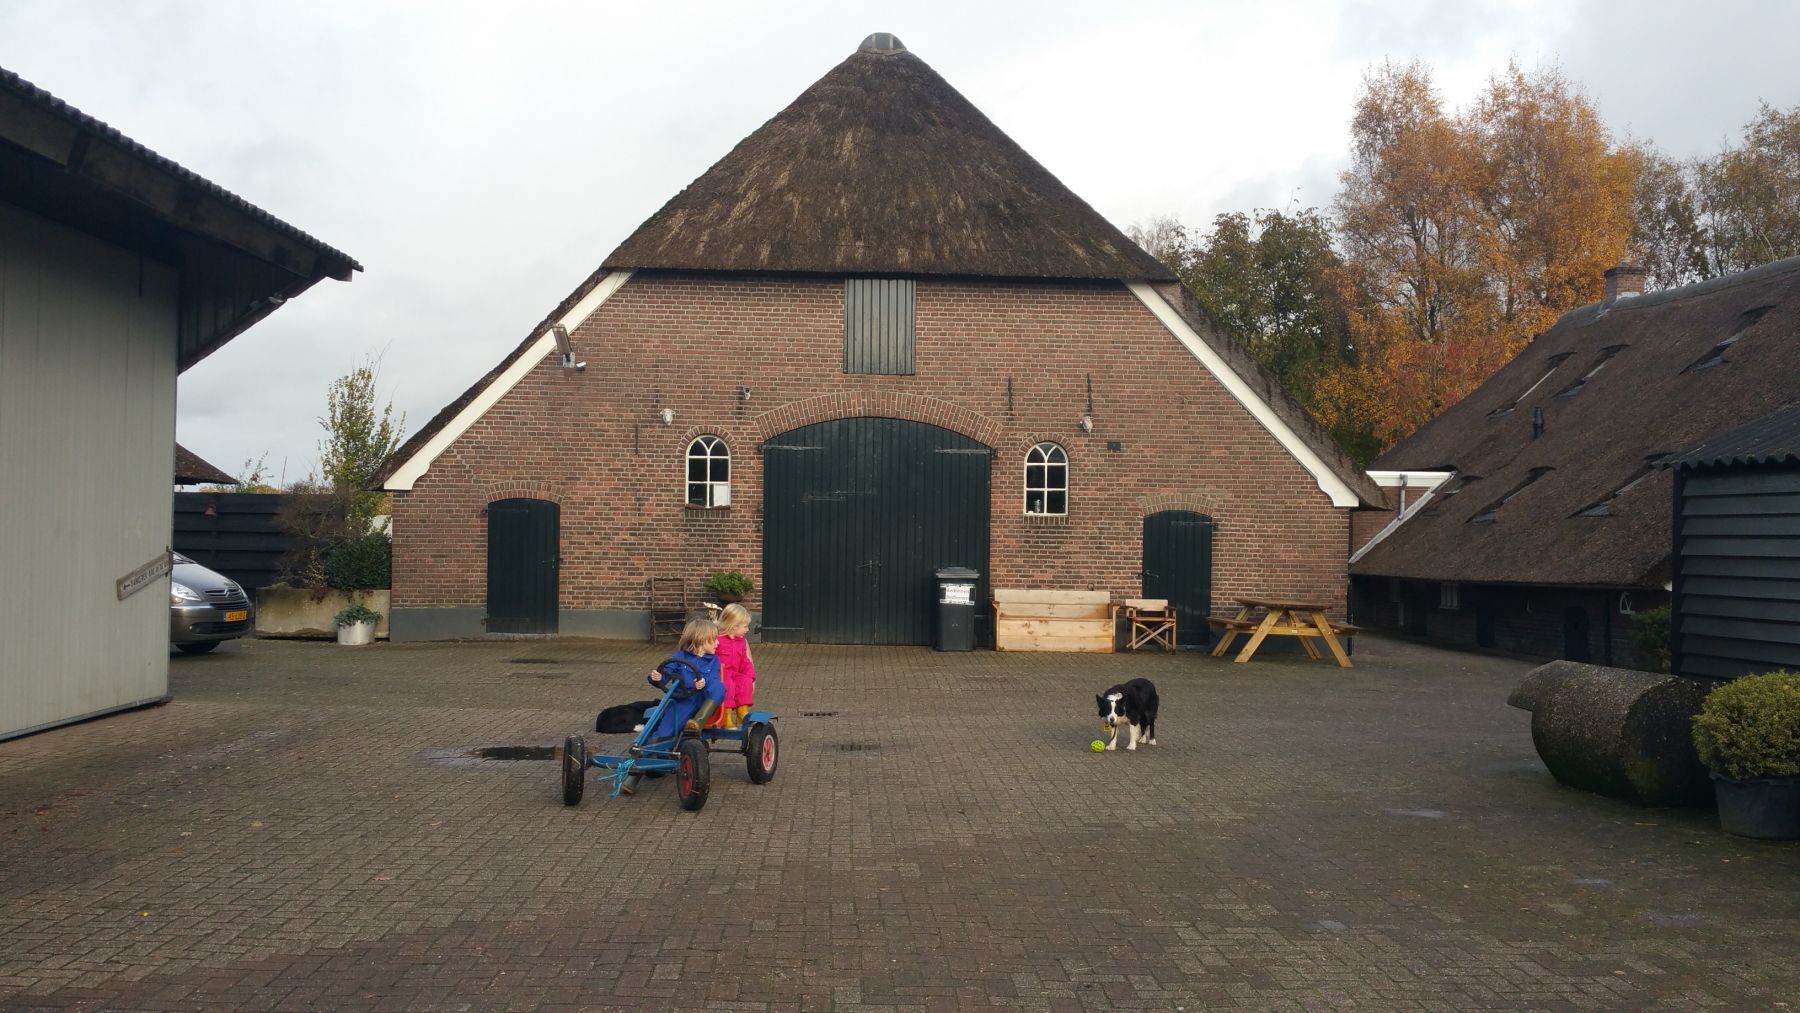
x=725, y=598
x=356, y=634
x=1766, y=808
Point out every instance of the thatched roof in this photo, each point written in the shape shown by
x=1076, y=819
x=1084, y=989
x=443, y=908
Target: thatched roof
x=192, y=469
x=1685, y=365
x=882, y=167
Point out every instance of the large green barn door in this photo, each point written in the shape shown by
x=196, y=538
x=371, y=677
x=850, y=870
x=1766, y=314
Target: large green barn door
x=1178, y=566
x=857, y=513
x=523, y=556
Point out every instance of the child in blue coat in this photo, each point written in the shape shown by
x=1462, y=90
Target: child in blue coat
x=698, y=648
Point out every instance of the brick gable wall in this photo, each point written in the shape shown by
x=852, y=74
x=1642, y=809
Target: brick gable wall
x=593, y=441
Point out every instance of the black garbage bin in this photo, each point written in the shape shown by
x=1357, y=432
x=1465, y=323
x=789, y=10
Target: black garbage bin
x=956, y=608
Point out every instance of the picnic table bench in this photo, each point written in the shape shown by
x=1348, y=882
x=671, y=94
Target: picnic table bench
x=1303, y=620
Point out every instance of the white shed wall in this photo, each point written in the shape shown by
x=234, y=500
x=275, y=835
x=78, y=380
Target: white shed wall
x=87, y=437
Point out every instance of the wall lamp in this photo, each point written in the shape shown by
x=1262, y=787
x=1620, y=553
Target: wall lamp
x=668, y=416
x=561, y=334
x=1086, y=424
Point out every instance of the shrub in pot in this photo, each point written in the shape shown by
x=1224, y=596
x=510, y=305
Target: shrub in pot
x=730, y=586
x=1748, y=734
x=356, y=624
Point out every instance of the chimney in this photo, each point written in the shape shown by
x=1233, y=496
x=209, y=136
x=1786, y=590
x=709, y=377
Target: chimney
x=1624, y=282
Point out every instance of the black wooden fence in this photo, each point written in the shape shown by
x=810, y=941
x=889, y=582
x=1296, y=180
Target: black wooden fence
x=236, y=533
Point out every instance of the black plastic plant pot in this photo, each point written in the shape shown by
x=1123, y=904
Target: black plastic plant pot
x=1767, y=809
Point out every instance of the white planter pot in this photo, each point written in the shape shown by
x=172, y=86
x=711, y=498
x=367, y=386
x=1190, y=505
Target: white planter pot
x=356, y=634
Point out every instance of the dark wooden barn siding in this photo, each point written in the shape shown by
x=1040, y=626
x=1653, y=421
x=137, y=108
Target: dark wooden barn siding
x=1736, y=604
x=242, y=538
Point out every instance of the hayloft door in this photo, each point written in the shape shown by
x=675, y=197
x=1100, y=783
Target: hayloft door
x=1178, y=566
x=857, y=513
x=524, y=548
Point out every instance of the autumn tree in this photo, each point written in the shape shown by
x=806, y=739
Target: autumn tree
x=1750, y=194
x=1466, y=235
x=1274, y=282
x=1667, y=237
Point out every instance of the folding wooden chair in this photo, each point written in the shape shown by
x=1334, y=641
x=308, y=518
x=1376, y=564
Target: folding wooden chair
x=1152, y=622
x=669, y=606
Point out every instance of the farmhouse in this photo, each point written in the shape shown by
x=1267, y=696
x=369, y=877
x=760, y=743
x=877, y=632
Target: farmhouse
x=1537, y=510
x=118, y=270
x=875, y=339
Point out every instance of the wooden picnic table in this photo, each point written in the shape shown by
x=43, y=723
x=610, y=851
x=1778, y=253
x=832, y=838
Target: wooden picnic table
x=1282, y=618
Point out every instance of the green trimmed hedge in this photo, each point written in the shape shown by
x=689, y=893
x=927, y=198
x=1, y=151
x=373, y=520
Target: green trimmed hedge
x=357, y=563
x=1750, y=727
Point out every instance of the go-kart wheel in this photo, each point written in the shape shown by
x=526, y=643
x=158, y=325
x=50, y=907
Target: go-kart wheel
x=574, y=769
x=693, y=774
x=763, y=750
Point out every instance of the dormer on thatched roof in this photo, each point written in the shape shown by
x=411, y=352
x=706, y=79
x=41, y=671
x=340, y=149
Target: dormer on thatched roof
x=1557, y=455
x=882, y=168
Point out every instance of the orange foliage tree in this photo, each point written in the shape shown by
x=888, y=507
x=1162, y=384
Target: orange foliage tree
x=1465, y=235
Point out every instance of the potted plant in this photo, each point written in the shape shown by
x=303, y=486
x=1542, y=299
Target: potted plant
x=1748, y=735
x=356, y=624
x=729, y=586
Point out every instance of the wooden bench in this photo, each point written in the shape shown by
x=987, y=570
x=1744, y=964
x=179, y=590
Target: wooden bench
x=1031, y=620
x=1305, y=621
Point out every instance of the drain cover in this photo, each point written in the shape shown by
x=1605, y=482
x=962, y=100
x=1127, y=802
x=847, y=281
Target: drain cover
x=531, y=661
x=856, y=747
x=818, y=714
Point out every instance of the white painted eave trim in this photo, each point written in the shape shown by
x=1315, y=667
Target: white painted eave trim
x=1409, y=479
x=1330, y=484
x=1399, y=519
x=404, y=476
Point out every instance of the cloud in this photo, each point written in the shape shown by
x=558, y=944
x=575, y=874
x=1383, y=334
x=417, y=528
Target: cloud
x=481, y=160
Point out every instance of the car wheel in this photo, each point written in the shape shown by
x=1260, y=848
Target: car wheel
x=199, y=648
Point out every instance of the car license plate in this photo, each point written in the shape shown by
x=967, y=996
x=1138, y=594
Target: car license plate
x=237, y=616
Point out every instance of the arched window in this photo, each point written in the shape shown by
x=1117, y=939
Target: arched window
x=708, y=473
x=1046, y=480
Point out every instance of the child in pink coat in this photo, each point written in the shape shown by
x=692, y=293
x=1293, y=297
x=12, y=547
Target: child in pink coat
x=735, y=664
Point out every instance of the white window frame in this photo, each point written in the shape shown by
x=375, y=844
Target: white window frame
x=1047, y=455
x=714, y=493
x=1450, y=596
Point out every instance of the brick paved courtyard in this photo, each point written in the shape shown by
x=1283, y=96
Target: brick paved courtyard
x=299, y=830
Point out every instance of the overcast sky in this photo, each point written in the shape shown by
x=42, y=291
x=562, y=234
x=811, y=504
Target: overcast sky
x=481, y=164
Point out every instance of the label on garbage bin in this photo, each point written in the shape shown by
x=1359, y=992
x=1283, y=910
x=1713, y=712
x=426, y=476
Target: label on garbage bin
x=958, y=594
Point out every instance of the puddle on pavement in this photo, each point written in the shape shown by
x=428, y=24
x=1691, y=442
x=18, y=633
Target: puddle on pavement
x=475, y=756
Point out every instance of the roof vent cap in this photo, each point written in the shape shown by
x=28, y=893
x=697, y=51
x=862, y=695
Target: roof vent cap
x=882, y=42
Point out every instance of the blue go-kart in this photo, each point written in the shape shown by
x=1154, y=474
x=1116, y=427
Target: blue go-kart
x=685, y=753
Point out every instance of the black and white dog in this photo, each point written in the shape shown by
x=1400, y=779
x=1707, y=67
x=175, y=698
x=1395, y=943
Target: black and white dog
x=1132, y=703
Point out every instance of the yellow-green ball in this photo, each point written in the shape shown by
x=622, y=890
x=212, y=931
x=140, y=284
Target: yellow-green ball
x=1097, y=746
